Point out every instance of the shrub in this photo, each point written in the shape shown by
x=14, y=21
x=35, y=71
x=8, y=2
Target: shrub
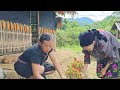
x=74, y=70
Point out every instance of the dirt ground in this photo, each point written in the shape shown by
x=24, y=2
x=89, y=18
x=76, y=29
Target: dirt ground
x=65, y=57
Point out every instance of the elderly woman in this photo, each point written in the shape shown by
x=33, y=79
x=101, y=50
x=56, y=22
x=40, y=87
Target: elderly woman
x=105, y=47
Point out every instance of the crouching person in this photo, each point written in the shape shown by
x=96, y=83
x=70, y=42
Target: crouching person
x=105, y=47
x=32, y=63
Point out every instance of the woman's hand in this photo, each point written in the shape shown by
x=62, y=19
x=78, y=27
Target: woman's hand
x=63, y=77
x=103, y=72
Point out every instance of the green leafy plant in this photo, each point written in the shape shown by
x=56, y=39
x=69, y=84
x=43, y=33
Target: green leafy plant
x=74, y=70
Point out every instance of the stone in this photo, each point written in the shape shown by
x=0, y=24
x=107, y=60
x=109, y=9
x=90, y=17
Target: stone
x=9, y=59
x=2, y=73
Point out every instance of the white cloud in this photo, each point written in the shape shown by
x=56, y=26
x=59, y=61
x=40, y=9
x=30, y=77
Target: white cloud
x=94, y=15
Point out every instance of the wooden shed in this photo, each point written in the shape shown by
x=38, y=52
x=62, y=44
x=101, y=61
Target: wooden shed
x=116, y=27
x=21, y=29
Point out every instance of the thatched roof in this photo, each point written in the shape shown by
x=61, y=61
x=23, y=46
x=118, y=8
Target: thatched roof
x=116, y=26
x=66, y=12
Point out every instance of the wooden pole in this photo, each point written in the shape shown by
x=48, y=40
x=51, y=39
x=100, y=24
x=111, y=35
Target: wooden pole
x=117, y=33
x=1, y=43
x=38, y=24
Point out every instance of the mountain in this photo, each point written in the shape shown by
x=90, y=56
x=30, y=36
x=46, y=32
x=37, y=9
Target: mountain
x=82, y=21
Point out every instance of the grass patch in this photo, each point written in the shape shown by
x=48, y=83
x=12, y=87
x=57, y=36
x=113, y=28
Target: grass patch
x=73, y=48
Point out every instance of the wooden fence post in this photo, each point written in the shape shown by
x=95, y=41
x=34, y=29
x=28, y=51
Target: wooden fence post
x=1, y=39
x=30, y=30
x=8, y=36
x=11, y=36
x=4, y=42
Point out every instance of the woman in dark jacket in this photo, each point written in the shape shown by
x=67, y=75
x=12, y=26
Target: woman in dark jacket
x=105, y=47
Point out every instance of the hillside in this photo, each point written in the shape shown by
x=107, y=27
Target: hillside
x=82, y=21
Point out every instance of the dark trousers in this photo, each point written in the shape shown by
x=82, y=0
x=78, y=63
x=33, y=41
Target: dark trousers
x=48, y=67
x=25, y=70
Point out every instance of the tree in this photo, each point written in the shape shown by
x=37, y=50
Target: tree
x=69, y=33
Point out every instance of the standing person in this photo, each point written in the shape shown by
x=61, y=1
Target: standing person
x=105, y=47
x=32, y=63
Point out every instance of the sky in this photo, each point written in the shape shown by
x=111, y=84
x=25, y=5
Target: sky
x=94, y=15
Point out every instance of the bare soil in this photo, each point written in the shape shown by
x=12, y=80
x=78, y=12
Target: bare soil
x=65, y=57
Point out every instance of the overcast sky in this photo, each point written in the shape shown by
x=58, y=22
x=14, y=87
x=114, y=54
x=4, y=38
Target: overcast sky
x=94, y=15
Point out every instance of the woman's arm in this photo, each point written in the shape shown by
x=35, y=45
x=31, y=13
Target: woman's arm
x=110, y=50
x=103, y=71
x=37, y=71
x=86, y=62
x=56, y=64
